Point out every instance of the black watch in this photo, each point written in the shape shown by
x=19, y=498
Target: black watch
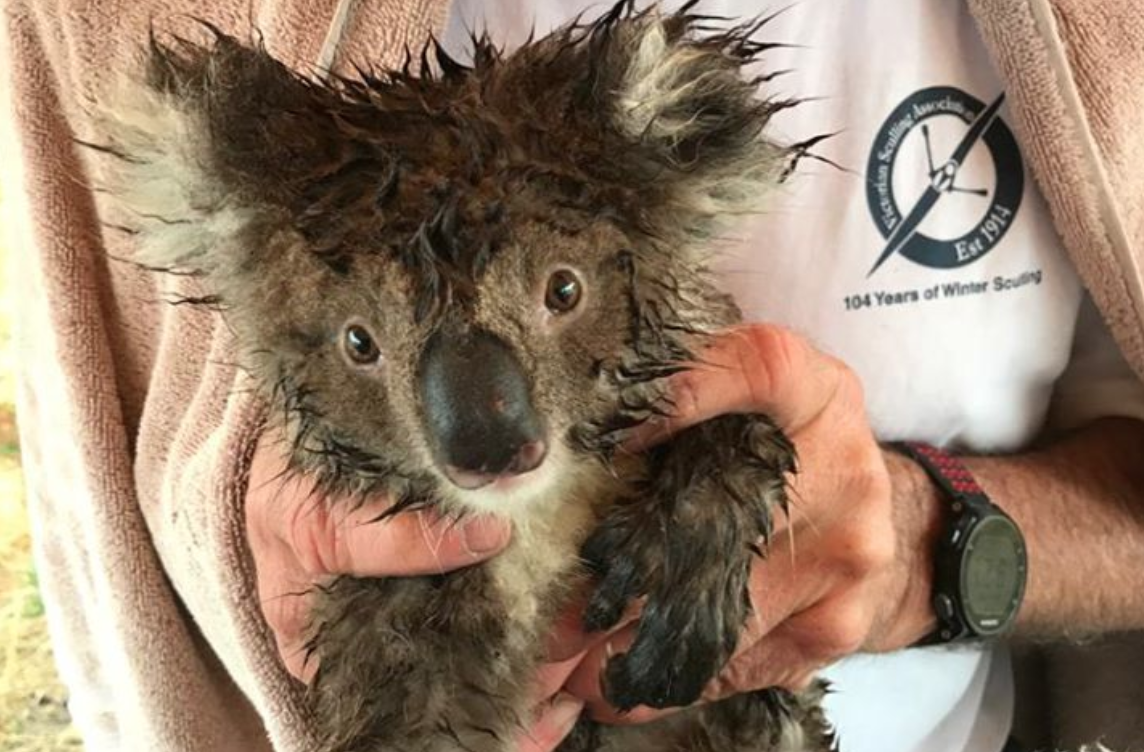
x=981, y=565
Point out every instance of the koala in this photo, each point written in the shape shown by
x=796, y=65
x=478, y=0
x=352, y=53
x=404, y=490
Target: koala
x=460, y=285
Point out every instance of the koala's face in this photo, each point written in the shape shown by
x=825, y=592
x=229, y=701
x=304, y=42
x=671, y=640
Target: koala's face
x=470, y=278
x=472, y=380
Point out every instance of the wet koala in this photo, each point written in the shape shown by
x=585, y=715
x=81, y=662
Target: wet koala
x=459, y=285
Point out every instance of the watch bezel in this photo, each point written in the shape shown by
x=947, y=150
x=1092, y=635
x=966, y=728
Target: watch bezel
x=985, y=521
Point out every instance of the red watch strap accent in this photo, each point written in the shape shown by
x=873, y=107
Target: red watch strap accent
x=951, y=469
x=946, y=471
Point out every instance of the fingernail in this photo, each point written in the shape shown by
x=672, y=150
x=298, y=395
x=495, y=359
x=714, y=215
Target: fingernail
x=485, y=535
x=565, y=710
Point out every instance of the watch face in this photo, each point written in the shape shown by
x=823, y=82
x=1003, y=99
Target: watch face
x=993, y=575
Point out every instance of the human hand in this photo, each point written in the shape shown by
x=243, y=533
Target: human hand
x=298, y=539
x=555, y=711
x=849, y=570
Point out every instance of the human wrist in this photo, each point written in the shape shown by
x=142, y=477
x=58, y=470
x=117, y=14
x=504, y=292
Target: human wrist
x=917, y=516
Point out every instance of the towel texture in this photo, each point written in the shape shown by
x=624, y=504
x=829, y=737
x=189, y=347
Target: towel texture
x=1075, y=74
x=138, y=430
x=136, y=426
x=1073, y=70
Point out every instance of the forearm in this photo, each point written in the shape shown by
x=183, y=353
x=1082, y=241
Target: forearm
x=1080, y=504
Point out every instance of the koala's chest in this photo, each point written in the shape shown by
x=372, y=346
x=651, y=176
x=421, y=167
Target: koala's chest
x=541, y=568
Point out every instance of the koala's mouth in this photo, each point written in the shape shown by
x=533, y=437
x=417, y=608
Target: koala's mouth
x=524, y=461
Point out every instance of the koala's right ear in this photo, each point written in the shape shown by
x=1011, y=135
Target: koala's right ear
x=211, y=140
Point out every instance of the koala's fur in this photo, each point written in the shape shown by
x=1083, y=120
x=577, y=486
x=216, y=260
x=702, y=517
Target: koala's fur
x=431, y=210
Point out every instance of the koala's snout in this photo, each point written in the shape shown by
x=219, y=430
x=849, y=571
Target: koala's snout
x=478, y=410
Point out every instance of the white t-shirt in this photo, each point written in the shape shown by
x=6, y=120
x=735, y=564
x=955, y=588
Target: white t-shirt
x=955, y=305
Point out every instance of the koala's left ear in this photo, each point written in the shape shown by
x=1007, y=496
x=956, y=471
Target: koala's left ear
x=691, y=110
x=207, y=142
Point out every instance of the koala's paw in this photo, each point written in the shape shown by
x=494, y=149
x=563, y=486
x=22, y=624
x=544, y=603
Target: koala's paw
x=679, y=648
x=687, y=546
x=696, y=591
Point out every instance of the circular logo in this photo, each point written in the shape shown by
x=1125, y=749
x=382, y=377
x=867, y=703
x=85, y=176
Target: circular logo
x=944, y=179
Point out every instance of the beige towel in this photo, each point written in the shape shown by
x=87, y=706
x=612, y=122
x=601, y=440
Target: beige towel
x=1075, y=75
x=1075, y=72
x=136, y=429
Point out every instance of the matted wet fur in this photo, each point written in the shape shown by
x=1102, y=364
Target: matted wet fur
x=459, y=284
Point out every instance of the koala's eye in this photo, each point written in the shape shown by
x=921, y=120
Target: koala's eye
x=360, y=346
x=563, y=292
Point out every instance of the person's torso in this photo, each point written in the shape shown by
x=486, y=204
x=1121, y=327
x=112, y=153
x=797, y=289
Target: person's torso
x=923, y=257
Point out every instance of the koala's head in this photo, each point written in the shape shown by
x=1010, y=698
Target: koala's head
x=468, y=277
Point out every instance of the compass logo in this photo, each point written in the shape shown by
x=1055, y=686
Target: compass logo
x=944, y=179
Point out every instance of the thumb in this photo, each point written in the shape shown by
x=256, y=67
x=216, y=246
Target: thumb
x=554, y=722
x=757, y=368
x=341, y=536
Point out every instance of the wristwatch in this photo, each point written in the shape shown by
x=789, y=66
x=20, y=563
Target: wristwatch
x=981, y=565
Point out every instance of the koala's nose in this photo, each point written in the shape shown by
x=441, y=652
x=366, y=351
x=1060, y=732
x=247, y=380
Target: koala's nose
x=477, y=407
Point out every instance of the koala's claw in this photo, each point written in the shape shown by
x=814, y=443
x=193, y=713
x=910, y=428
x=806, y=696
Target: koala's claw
x=672, y=659
x=605, y=608
x=622, y=570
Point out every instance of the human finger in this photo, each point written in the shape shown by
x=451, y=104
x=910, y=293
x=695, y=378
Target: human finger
x=300, y=662
x=550, y=677
x=554, y=721
x=586, y=682
x=569, y=636
x=758, y=368
x=342, y=536
x=330, y=538
x=779, y=659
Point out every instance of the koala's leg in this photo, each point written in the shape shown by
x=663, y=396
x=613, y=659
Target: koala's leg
x=686, y=543
x=416, y=664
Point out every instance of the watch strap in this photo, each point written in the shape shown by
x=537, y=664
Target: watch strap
x=947, y=471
